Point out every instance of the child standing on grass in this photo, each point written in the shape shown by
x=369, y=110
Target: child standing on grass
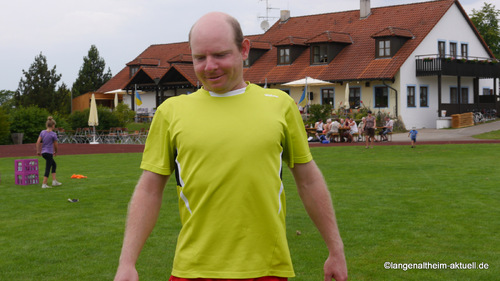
x=48, y=138
x=413, y=136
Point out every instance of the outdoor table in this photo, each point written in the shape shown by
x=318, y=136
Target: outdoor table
x=311, y=132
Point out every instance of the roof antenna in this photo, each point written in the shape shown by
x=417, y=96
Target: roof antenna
x=265, y=23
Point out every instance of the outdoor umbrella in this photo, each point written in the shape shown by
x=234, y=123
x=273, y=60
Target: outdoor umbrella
x=116, y=100
x=347, y=96
x=93, y=118
x=117, y=91
x=307, y=81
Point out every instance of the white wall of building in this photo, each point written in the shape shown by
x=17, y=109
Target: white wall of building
x=148, y=99
x=453, y=27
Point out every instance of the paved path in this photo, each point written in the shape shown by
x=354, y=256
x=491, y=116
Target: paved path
x=461, y=134
x=434, y=136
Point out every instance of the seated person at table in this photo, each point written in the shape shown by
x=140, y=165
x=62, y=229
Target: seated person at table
x=319, y=126
x=334, y=129
x=361, y=128
x=353, y=129
x=346, y=135
x=387, y=128
x=326, y=128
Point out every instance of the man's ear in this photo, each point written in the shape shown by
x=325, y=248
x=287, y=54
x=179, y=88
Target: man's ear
x=245, y=48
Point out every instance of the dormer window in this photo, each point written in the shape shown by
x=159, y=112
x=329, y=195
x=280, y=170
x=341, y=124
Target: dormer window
x=284, y=55
x=289, y=49
x=133, y=70
x=327, y=45
x=384, y=48
x=389, y=40
x=320, y=54
x=257, y=50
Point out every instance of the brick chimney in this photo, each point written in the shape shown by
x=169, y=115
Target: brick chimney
x=365, y=9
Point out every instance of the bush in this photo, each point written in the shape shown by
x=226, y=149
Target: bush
x=28, y=120
x=124, y=114
x=80, y=119
x=106, y=118
x=61, y=121
x=4, y=127
x=319, y=111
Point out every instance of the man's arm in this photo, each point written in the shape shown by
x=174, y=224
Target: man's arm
x=143, y=211
x=316, y=199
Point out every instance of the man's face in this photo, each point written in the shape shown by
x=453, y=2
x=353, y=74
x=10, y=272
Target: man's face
x=218, y=62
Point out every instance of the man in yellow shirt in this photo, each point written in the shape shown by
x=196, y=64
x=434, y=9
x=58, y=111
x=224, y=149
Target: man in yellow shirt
x=231, y=197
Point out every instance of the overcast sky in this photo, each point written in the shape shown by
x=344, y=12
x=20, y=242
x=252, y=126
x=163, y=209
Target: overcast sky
x=64, y=30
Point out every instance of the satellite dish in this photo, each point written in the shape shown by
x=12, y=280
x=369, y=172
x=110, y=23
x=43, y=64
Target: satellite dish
x=264, y=25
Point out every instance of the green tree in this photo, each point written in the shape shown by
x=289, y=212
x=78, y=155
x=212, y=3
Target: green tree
x=38, y=87
x=4, y=127
x=91, y=75
x=486, y=22
x=6, y=96
x=28, y=120
x=63, y=98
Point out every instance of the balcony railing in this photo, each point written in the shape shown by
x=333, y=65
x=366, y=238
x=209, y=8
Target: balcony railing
x=431, y=65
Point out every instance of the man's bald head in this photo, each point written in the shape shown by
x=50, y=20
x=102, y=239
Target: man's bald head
x=223, y=18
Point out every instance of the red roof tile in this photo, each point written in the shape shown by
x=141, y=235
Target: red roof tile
x=356, y=61
x=394, y=31
x=330, y=36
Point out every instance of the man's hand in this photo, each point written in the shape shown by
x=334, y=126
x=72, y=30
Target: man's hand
x=126, y=273
x=336, y=268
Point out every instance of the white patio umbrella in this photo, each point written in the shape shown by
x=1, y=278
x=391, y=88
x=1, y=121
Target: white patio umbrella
x=347, y=96
x=116, y=100
x=117, y=91
x=307, y=81
x=93, y=118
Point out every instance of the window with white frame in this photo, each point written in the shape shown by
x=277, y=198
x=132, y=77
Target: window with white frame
x=453, y=49
x=384, y=48
x=442, y=49
x=328, y=97
x=381, y=97
x=354, y=97
x=424, y=96
x=284, y=56
x=410, y=96
x=465, y=51
x=465, y=96
x=320, y=54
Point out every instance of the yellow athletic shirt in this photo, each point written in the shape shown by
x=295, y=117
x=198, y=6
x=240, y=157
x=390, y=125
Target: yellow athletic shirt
x=227, y=153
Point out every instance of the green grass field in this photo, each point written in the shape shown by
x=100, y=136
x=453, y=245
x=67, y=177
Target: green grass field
x=434, y=203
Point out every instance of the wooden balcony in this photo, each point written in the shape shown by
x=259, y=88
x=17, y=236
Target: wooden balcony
x=432, y=65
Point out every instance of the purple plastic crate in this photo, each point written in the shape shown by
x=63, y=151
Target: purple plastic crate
x=26, y=171
x=26, y=165
x=27, y=179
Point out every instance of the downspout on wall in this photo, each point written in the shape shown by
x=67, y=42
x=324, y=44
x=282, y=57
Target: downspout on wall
x=396, y=91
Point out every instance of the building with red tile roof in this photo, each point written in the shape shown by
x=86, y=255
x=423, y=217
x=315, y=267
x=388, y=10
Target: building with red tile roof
x=407, y=60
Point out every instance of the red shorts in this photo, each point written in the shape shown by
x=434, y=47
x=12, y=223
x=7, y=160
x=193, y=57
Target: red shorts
x=267, y=278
